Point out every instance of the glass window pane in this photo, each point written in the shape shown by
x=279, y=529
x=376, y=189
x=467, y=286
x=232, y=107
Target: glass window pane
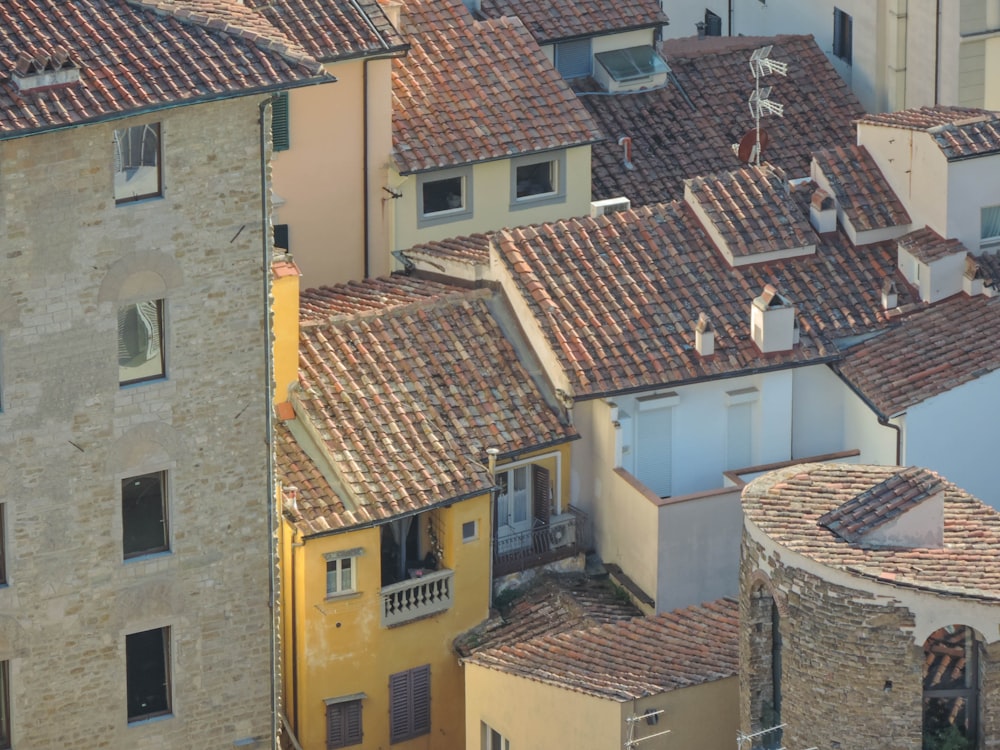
x=345, y=575
x=136, y=162
x=144, y=519
x=140, y=341
x=535, y=179
x=147, y=681
x=443, y=195
x=990, y=227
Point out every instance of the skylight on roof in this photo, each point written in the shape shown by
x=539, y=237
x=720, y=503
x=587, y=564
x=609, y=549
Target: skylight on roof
x=632, y=63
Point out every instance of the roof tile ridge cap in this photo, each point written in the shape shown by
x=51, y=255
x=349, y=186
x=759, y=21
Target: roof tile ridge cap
x=444, y=299
x=275, y=42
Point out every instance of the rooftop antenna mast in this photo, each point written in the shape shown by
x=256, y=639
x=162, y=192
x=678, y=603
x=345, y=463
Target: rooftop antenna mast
x=760, y=103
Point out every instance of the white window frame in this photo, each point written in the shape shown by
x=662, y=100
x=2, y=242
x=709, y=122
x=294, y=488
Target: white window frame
x=335, y=575
x=540, y=459
x=475, y=531
x=991, y=225
x=487, y=739
x=557, y=175
x=464, y=211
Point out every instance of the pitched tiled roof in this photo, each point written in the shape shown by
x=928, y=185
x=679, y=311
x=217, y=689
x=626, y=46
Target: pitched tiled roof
x=332, y=29
x=927, y=245
x=550, y=604
x=934, y=350
x=618, y=296
x=472, y=91
x=787, y=505
x=134, y=56
x=631, y=659
x=882, y=502
x=752, y=211
x=552, y=20
x=688, y=131
x=472, y=249
x=860, y=188
x=403, y=404
x=960, y=132
x=370, y=295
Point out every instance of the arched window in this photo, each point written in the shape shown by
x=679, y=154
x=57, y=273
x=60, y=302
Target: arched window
x=765, y=668
x=951, y=689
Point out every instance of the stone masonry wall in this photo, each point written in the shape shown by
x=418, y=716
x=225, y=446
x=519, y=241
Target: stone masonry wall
x=69, y=434
x=851, y=673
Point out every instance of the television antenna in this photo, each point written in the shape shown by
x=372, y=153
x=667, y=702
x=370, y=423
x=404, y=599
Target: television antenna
x=760, y=104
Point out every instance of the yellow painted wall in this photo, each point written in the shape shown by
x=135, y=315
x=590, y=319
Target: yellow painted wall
x=321, y=176
x=342, y=647
x=491, y=202
x=535, y=715
x=285, y=329
x=549, y=461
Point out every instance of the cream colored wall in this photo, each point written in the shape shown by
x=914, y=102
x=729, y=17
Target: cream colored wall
x=621, y=41
x=321, y=176
x=491, y=202
x=535, y=715
x=557, y=460
x=343, y=648
x=992, y=88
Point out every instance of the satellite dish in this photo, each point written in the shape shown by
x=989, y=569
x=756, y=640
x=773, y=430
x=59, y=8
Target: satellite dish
x=748, y=142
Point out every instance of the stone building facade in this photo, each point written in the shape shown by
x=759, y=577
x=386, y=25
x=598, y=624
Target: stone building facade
x=867, y=643
x=136, y=554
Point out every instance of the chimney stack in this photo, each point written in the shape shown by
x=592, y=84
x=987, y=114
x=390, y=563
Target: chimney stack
x=772, y=322
x=704, y=336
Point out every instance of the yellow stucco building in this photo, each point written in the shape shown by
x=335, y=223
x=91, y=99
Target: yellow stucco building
x=394, y=514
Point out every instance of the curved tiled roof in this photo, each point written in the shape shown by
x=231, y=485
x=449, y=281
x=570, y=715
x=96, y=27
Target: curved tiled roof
x=134, y=56
x=402, y=406
x=631, y=659
x=552, y=20
x=960, y=132
x=860, y=188
x=369, y=296
x=332, y=29
x=618, y=296
x=933, y=351
x=681, y=133
x=471, y=91
x=787, y=505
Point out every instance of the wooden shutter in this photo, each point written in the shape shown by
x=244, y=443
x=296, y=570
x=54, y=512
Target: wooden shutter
x=335, y=726
x=279, y=122
x=352, y=723
x=420, y=685
x=410, y=703
x=399, y=706
x=540, y=493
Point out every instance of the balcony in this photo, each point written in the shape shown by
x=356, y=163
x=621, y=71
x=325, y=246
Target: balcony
x=563, y=536
x=417, y=597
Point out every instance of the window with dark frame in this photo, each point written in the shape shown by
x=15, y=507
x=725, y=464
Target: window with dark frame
x=713, y=23
x=147, y=668
x=144, y=514
x=281, y=236
x=842, y=35
x=440, y=196
x=343, y=724
x=5, y=743
x=410, y=704
x=3, y=546
x=140, y=342
x=136, y=163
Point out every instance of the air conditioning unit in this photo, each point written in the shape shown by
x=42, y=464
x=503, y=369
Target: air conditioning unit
x=609, y=206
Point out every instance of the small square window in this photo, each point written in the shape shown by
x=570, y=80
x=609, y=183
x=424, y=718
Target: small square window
x=842, y=35
x=441, y=196
x=537, y=180
x=147, y=667
x=137, y=163
x=444, y=196
x=340, y=576
x=343, y=724
x=144, y=514
x=470, y=531
x=140, y=342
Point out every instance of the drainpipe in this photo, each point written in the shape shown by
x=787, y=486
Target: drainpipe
x=884, y=421
x=937, y=52
x=268, y=397
x=730, y=18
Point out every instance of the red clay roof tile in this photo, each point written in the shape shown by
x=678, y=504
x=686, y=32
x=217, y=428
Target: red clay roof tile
x=552, y=20
x=960, y=132
x=860, y=188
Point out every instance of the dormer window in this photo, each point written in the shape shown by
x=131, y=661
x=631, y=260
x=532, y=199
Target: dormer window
x=630, y=68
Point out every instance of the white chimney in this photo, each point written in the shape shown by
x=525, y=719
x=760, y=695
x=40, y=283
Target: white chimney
x=823, y=211
x=704, y=336
x=890, y=296
x=394, y=12
x=972, y=279
x=772, y=322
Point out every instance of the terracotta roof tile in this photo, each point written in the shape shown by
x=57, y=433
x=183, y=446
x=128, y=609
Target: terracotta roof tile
x=927, y=245
x=402, y=407
x=985, y=266
x=550, y=604
x=960, y=132
x=930, y=352
x=688, y=130
x=473, y=249
x=882, y=502
x=787, y=506
x=631, y=659
x=370, y=295
x=752, y=212
x=134, y=56
x=860, y=188
x=332, y=29
x=618, y=297
x=472, y=91
x=552, y=20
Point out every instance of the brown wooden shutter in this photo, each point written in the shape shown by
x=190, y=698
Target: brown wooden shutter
x=540, y=493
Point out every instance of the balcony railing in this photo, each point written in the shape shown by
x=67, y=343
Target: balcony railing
x=564, y=536
x=417, y=597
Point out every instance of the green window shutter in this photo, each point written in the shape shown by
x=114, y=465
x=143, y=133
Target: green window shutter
x=279, y=122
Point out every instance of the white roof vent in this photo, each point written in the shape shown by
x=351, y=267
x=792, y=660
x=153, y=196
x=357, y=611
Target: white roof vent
x=609, y=206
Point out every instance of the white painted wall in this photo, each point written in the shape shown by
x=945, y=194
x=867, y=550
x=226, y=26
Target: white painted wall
x=956, y=434
x=817, y=412
x=876, y=442
x=684, y=14
x=972, y=184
